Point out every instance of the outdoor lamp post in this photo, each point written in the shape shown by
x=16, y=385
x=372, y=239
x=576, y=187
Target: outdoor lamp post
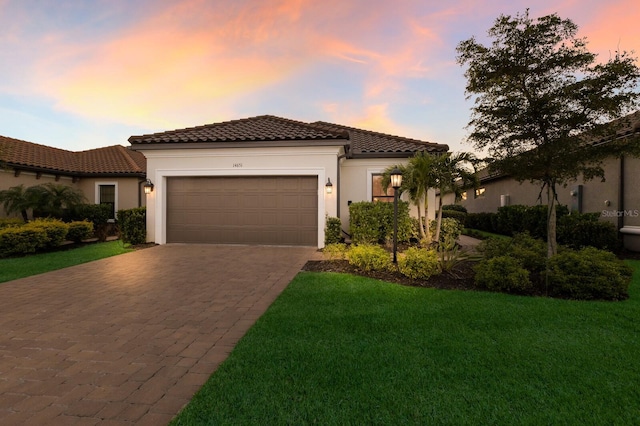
x=396, y=182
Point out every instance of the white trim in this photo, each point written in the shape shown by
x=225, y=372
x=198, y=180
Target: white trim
x=98, y=184
x=160, y=190
x=370, y=173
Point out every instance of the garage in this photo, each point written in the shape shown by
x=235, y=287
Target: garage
x=261, y=210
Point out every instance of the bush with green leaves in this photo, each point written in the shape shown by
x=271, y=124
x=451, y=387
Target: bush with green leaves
x=450, y=230
x=480, y=221
x=335, y=251
x=515, y=219
x=133, y=225
x=418, y=263
x=369, y=257
x=582, y=230
x=454, y=207
x=529, y=252
x=55, y=231
x=454, y=214
x=98, y=214
x=21, y=240
x=588, y=274
x=372, y=223
x=503, y=273
x=79, y=230
x=333, y=230
x=10, y=222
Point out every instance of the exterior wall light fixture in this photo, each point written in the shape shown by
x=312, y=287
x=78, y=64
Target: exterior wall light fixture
x=148, y=187
x=329, y=186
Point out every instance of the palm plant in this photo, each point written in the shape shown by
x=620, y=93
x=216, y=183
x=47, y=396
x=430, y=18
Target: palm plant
x=51, y=199
x=16, y=200
x=417, y=178
x=453, y=173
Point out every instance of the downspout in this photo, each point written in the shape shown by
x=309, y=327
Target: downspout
x=340, y=157
x=621, y=195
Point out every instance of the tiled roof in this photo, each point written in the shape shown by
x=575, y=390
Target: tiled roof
x=111, y=160
x=365, y=142
x=267, y=128
x=261, y=128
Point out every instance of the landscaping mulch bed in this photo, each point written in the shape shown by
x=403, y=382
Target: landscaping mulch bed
x=460, y=278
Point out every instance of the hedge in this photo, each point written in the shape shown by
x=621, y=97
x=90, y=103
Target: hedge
x=133, y=225
x=372, y=223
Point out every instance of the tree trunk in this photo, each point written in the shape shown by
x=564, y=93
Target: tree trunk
x=427, y=234
x=439, y=223
x=552, y=245
x=420, y=227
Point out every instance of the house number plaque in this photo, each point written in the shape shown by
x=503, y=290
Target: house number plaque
x=237, y=165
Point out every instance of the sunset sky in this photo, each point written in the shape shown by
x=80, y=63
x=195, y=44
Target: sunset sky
x=81, y=74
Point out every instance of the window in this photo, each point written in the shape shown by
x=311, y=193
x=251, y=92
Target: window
x=107, y=195
x=377, y=192
x=480, y=192
x=463, y=196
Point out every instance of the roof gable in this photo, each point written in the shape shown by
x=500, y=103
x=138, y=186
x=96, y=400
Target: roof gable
x=112, y=160
x=254, y=129
x=267, y=129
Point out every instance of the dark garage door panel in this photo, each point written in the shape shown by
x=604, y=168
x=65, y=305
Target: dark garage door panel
x=265, y=210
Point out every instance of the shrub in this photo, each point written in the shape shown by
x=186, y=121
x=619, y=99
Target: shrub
x=22, y=240
x=372, y=223
x=502, y=273
x=454, y=214
x=581, y=230
x=10, y=222
x=79, y=230
x=369, y=257
x=450, y=230
x=333, y=231
x=133, y=225
x=418, y=263
x=588, y=274
x=98, y=214
x=480, y=221
x=455, y=207
x=335, y=251
x=55, y=231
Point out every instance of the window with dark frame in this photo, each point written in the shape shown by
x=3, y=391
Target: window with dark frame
x=107, y=195
x=377, y=191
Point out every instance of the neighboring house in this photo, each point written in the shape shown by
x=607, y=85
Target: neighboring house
x=113, y=175
x=264, y=180
x=617, y=199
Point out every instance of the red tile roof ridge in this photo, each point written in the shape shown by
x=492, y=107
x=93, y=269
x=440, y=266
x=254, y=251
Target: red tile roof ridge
x=372, y=132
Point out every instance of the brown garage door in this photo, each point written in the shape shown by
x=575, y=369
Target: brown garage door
x=264, y=210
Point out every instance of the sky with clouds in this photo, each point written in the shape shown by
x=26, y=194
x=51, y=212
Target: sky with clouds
x=81, y=74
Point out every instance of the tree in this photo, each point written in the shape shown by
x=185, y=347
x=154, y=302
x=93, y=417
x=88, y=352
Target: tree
x=452, y=174
x=541, y=99
x=16, y=200
x=417, y=178
x=51, y=199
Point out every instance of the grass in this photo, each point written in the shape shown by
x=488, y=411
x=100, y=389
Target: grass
x=20, y=267
x=341, y=349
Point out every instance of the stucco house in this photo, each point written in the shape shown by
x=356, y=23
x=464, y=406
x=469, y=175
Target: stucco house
x=264, y=180
x=616, y=199
x=112, y=175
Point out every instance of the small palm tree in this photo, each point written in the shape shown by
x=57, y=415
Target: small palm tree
x=453, y=173
x=417, y=178
x=16, y=200
x=51, y=199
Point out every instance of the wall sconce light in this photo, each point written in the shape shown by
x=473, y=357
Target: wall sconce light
x=148, y=187
x=329, y=186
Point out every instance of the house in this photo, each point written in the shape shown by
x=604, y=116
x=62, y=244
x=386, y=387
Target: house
x=111, y=175
x=616, y=199
x=264, y=180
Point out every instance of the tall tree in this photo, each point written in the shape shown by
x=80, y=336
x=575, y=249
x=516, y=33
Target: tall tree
x=452, y=173
x=541, y=98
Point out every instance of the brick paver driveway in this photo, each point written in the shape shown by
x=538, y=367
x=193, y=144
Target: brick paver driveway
x=129, y=339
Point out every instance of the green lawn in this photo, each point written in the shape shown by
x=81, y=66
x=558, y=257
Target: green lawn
x=340, y=349
x=20, y=267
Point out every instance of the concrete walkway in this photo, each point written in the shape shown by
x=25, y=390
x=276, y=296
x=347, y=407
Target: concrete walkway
x=130, y=339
